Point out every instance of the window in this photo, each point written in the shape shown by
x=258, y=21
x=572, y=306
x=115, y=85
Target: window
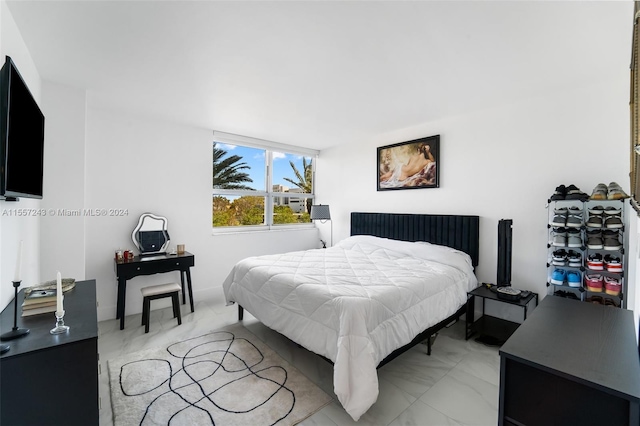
x=259, y=184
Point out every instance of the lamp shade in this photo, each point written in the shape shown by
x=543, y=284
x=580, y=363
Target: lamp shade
x=320, y=212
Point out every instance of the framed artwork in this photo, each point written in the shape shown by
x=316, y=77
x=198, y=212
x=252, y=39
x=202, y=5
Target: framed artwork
x=409, y=165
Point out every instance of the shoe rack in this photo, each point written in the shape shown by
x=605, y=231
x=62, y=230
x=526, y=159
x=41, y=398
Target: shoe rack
x=590, y=220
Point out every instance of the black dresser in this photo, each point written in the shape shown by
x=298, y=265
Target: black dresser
x=571, y=363
x=50, y=379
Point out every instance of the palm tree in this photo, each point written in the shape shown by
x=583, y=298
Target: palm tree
x=227, y=171
x=304, y=180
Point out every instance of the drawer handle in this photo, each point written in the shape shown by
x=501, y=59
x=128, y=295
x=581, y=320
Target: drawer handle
x=138, y=268
x=177, y=263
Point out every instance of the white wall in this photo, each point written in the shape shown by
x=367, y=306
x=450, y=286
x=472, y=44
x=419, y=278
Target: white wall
x=14, y=228
x=497, y=163
x=62, y=234
x=143, y=165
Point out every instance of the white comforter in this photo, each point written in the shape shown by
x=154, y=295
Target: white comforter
x=354, y=303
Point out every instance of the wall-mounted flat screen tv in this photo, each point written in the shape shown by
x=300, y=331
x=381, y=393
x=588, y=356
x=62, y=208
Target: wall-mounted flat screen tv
x=21, y=137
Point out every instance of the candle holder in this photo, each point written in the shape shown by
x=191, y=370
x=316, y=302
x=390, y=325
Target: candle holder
x=60, y=327
x=15, y=331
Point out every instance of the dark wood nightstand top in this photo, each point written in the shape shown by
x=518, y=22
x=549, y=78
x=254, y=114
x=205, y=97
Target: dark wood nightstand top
x=486, y=293
x=588, y=343
x=80, y=315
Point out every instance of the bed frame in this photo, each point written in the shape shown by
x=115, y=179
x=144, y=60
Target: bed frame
x=459, y=232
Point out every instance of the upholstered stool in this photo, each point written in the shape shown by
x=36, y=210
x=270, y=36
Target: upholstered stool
x=158, y=292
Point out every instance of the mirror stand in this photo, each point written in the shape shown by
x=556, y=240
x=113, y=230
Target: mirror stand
x=151, y=236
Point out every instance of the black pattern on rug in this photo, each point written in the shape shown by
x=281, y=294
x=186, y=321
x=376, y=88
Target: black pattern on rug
x=211, y=369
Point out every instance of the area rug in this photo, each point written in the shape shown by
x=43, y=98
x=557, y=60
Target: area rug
x=226, y=377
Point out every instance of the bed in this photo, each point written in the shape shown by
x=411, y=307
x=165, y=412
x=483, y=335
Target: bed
x=391, y=284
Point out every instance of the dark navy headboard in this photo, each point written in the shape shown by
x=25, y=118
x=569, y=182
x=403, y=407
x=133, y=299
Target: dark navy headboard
x=459, y=232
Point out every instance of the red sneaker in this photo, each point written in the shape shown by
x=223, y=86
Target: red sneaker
x=612, y=286
x=593, y=282
x=594, y=262
x=612, y=263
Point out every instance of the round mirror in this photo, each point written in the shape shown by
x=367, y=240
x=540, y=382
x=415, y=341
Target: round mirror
x=150, y=235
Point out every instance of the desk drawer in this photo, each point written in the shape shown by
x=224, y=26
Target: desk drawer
x=129, y=270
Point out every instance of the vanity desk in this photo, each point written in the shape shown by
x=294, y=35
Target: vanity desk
x=149, y=265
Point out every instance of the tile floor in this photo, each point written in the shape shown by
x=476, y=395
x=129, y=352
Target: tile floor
x=456, y=385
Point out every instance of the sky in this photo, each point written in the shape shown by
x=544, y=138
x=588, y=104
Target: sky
x=254, y=158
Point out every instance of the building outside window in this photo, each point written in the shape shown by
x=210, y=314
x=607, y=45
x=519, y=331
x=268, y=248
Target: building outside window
x=259, y=184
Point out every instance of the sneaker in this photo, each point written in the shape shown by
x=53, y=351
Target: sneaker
x=594, y=239
x=574, y=258
x=558, y=276
x=593, y=282
x=574, y=237
x=559, y=237
x=596, y=209
x=571, y=295
x=574, y=218
x=567, y=294
x=594, y=262
x=612, y=211
x=560, y=293
x=594, y=221
x=599, y=192
x=559, y=217
x=574, y=279
x=596, y=300
x=559, y=258
x=611, y=240
x=559, y=194
x=612, y=222
x=614, y=192
x=574, y=193
x=612, y=286
x=612, y=263
x=610, y=302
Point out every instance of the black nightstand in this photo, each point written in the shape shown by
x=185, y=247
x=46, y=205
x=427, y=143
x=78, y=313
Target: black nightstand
x=559, y=369
x=493, y=330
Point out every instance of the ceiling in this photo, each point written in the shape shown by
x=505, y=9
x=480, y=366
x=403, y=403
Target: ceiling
x=317, y=74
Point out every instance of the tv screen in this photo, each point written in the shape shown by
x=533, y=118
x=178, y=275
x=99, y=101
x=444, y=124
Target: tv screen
x=21, y=137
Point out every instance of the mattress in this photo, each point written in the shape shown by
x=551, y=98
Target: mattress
x=354, y=303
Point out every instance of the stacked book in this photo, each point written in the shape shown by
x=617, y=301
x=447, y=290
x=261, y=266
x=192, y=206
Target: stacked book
x=39, y=302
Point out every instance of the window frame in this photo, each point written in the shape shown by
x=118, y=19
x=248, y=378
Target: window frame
x=268, y=193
